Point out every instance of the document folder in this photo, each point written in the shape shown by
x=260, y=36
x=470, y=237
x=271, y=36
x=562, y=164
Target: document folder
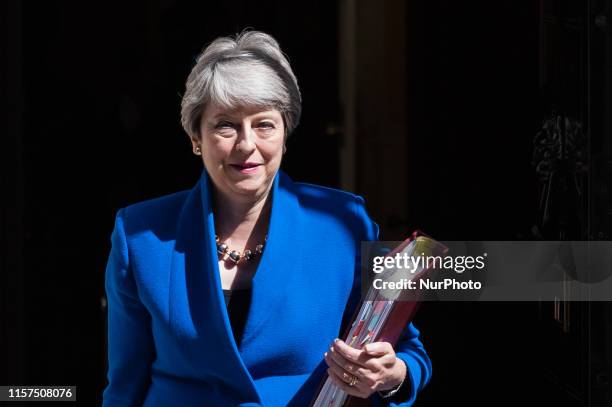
x=384, y=314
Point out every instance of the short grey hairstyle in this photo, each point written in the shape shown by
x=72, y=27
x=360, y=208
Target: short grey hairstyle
x=246, y=70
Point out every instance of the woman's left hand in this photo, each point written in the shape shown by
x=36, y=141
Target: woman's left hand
x=374, y=368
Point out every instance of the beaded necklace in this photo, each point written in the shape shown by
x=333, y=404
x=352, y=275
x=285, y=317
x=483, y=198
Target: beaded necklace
x=225, y=252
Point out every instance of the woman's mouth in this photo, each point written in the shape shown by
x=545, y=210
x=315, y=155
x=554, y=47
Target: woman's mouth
x=245, y=168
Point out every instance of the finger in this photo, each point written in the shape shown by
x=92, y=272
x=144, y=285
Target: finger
x=343, y=367
x=378, y=348
x=350, y=390
x=338, y=363
x=338, y=360
x=355, y=356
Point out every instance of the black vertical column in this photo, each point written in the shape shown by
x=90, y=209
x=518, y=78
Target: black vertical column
x=12, y=316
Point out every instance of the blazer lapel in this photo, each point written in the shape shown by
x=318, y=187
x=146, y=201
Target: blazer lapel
x=273, y=277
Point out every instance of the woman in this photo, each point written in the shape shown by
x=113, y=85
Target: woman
x=283, y=254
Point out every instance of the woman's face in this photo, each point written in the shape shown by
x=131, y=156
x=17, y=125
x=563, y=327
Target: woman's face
x=241, y=149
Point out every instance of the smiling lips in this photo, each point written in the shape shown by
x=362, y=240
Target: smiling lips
x=245, y=168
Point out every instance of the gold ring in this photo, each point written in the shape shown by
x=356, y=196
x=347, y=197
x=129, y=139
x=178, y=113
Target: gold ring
x=353, y=381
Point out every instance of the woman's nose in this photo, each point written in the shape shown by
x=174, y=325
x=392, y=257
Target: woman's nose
x=245, y=142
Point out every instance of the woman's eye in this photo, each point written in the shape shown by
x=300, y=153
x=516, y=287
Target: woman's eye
x=266, y=125
x=225, y=129
x=224, y=125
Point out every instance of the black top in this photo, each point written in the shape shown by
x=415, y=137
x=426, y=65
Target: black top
x=238, y=303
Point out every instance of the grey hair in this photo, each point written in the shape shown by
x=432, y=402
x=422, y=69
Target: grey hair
x=247, y=70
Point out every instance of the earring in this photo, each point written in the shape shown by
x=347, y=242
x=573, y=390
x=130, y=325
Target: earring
x=197, y=151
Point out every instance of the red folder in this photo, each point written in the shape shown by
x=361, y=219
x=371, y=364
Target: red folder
x=402, y=312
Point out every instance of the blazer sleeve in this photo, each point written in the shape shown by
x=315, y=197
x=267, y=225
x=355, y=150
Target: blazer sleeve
x=418, y=369
x=409, y=347
x=130, y=343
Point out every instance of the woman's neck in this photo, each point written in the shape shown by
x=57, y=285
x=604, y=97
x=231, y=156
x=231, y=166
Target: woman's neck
x=242, y=222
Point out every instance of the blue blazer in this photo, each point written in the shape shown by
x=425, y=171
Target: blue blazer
x=169, y=336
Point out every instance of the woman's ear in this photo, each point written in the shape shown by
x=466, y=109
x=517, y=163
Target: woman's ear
x=195, y=145
x=195, y=141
